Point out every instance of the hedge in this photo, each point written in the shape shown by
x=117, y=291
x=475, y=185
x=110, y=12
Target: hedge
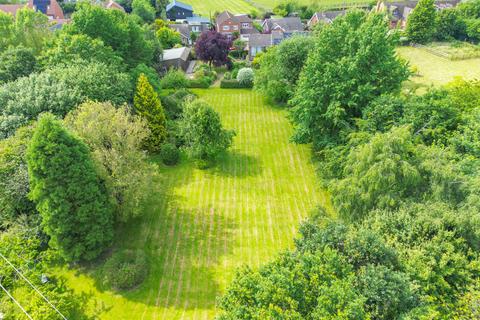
x=232, y=84
x=202, y=83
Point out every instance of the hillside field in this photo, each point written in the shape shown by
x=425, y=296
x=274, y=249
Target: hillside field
x=209, y=7
x=201, y=225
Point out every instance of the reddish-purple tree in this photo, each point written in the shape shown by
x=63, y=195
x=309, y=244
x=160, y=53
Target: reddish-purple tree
x=213, y=47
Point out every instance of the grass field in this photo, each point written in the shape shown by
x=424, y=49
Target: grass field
x=201, y=225
x=435, y=70
x=208, y=7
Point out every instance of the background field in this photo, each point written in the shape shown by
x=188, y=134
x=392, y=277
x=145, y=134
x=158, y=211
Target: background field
x=201, y=225
x=435, y=70
x=208, y=7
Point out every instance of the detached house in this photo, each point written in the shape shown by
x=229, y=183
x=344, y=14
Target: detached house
x=261, y=42
x=228, y=24
x=50, y=8
x=325, y=17
x=191, y=25
x=286, y=26
x=177, y=10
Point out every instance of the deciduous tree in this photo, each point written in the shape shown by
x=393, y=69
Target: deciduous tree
x=213, y=47
x=421, y=22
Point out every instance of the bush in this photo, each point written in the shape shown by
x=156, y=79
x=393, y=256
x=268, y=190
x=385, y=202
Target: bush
x=173, y=103
x=227, y=76
x=174, y=79
x=232, y=84
x=203, y=83
x=169, y=154
x=245, y=77
x=125, y=269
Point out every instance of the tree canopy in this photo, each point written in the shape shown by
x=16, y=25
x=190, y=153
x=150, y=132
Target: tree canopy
x=68, y=193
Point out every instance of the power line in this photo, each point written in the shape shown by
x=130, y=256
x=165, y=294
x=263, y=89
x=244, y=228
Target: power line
x=16, y=302
x=34, y=288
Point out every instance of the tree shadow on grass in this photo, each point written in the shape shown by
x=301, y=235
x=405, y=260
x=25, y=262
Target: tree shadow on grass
x=237, y=165
x=184, y=247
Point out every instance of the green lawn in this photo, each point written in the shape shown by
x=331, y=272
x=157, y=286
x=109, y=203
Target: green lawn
x=201, y=225
x=434, y=70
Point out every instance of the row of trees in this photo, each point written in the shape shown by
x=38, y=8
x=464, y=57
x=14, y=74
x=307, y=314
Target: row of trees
x=402, y=173
x=460, y=23
x=70, y=177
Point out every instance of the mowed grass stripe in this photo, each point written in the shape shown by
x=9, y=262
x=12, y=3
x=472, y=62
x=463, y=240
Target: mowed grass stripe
x=203, y=224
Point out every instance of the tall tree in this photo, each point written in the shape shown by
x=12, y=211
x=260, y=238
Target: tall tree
x=16, y=62
x=115, y=137
x=280, y=68
x=213, y=47
x=354, y=62
x=148, y=106
x=116, y=29
x=202, y=131
x=143, y=9
x=69, y=195
x=421, y=22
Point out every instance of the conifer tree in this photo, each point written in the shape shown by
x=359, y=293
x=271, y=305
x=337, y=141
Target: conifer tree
x=67, y=192
x=148, y=106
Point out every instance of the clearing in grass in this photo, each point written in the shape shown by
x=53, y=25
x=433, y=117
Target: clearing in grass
x=202, y=224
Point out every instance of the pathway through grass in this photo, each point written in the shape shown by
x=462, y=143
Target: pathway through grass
x=204, y=224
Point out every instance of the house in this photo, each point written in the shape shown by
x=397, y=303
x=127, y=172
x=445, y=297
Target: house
x=288, y=25
x=176, y=58
x=228, y=24
x=324, y=17
x=398, y=12
x=113, y=5
x=198, y=24
x=177, y=10
x=260, y=42
x=50, y=8
x=195, y=24
x=184, y=31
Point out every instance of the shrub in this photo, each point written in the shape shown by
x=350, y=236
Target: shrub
x=203, y=83
x=174, y=79
x=173, y=103
x=125, y=269
x=169, y=154
x=232, y=84
x=245, y=77
x=227, y=76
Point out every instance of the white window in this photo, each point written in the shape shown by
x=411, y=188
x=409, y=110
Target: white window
x=196, y=29
x=226, y=28
x=235, y=27
x=245, y=25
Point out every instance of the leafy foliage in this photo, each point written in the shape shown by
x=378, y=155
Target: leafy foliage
x=421, y=22
x=202, y=131
x=170, y=154
x=125, y=269
x=68, y=193
x=115, y=138
x=212, y=47
x=168, y=37
x=14, y=185
x=68, y=49
x=16, y=63
x=280, y=67
x=116, y=29
x=23, y=248
x=174, y=79
x=245, y=77
x=341, y=78
x=148, y=106
x=143, y=9
x=59, y=90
